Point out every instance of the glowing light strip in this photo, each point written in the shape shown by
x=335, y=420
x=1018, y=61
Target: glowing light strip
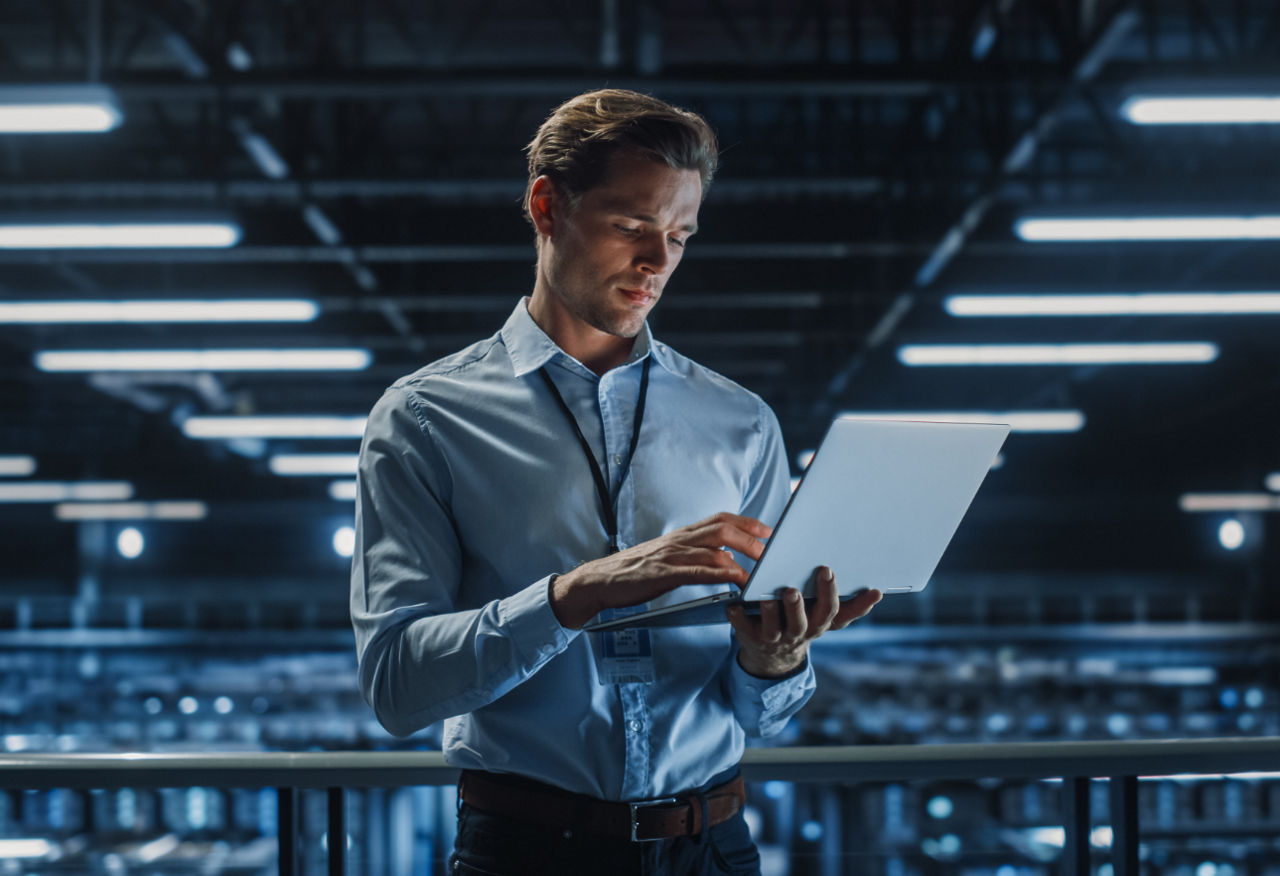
x=314, y=463
x=342, y=491
x=203, y=360
x=184, y=510
x=65, y=108
x=1219, y=110
x=1137, y=304
x=1197, y=502
x=76, y=312
x=1149, y=228
x=52, y=491
x=274, y=427
x=1017, y=421
x=120, y=235
x=1056, y=354
x=17, y=466
x=13, y=849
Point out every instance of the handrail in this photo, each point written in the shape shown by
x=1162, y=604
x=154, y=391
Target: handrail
x=1074, y=762
x=832, y=764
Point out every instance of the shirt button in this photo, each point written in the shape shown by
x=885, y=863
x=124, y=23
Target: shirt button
x=617, y=459
x=635, y=726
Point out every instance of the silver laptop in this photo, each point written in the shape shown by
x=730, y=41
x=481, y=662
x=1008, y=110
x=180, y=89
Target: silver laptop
x=879, y=504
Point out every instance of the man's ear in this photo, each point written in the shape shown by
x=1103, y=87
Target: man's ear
x=544, y=205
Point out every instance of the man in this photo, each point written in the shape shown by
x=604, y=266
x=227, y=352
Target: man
x=512, y=491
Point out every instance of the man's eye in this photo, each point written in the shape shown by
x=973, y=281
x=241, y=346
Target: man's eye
x=677, y=242
x=627, y=229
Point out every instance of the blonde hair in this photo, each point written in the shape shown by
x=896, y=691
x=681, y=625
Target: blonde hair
x=574, y=145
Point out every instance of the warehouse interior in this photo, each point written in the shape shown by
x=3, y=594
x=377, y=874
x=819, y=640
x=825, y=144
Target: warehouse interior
x=880, y=240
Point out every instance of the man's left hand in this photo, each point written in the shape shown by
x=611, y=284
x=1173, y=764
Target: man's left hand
x=776, y=643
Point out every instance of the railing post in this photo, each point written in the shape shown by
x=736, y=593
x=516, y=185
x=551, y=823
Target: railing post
x=1124, y=825
x=287, y=832
x=1075, y=822
x=337, y=832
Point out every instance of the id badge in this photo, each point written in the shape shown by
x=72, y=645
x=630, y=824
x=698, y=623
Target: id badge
x=623, y=656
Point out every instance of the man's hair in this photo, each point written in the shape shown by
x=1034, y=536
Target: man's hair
x=574, y=145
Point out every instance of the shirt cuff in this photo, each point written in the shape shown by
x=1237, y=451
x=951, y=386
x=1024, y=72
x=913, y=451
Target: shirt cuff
x=531, y=624
x=773, y=695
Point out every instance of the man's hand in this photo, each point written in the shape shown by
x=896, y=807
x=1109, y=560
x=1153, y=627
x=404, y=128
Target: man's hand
x=777, y=643
x=690, y=555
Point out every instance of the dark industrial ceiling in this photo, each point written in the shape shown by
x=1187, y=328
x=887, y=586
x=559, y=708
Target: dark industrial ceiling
x=875, y=157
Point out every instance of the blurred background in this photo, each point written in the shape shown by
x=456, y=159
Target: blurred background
x=226, y=226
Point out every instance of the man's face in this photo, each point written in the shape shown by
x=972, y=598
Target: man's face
x=608, y=258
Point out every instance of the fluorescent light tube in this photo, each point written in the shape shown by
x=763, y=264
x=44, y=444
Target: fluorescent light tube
x=58, y=109
x=1135, y=304
x=53, y=491
x=184, y=510
x=1273, y=482
x=120, y=235
x=274, y=427
x=17, y=466
x=1149, y=228
x=1194, y=502
x=74, y=312
x=314, y=463
x=1018, y=421
x=15, y=849
x=1219, y=110
x=1056, y=354
x=342, y=491
x=203, y=360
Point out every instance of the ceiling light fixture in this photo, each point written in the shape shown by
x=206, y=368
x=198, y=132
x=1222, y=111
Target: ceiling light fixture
x=1211, y=502
x=76, y=312
x=177, y=510
x=1216, y=110
x=342, y=491
x=274, y=427
x=1139, y=228
x=203, y=360
x=119, y=235
x=1056, y=354
x=1273, y=482
x=314, y=463
x=58, y=109
x=17, y=466
x=1135, y=304
x=1017, y=421
x=53, y=491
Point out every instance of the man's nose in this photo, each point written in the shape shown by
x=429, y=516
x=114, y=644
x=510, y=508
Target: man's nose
x=654, y=256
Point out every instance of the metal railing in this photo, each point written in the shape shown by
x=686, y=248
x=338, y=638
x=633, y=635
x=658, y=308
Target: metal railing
x=1076, y=763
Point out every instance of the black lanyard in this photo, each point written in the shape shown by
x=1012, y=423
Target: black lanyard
x=608, y=504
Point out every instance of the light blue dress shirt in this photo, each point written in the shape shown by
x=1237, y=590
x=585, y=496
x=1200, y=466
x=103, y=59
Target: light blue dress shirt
x=473, y=492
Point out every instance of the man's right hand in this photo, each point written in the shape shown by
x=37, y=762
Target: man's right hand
x=690, y=555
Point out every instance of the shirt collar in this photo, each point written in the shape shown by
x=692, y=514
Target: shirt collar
x=530, y=348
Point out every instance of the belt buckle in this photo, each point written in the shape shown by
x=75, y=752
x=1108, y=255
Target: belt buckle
x=635, y=821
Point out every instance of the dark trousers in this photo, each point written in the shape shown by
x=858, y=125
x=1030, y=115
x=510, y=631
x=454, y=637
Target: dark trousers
x=490, y=844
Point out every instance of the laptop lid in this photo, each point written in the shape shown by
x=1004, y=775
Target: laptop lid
x=879, y=504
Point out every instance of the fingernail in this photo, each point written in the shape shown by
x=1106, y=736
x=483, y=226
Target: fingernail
x=793, y=596
x=828, y=576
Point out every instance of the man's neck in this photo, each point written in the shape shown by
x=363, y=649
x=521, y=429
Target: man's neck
x=599, y=351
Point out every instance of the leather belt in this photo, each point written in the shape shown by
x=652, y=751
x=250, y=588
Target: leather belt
x=535, y=803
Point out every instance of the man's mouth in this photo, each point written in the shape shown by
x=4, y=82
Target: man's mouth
x=638, y=296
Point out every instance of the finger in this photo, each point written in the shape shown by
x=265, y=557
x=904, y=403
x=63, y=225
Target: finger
x=769, y=628
x=797, y=619
x=746, y=627
x=742, y=534
x=855, y=608
x=828, y=601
